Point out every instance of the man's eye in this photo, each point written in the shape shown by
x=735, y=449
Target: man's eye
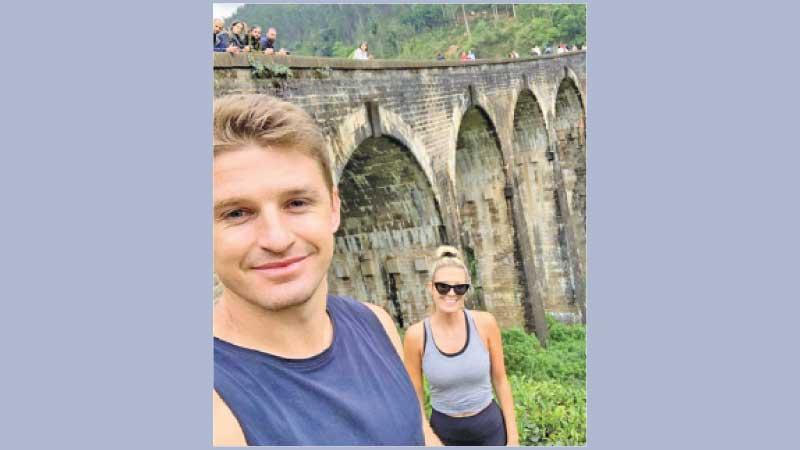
x=236, y=214
x=297, y=203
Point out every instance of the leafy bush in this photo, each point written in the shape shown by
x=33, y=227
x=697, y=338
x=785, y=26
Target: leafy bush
x=260, y=70
x=564, y=360
x=548, y=412
x=548, y=385
x=520, y=351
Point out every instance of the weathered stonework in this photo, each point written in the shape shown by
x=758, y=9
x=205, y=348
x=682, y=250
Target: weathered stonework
x=488, y=156
x=390, y=222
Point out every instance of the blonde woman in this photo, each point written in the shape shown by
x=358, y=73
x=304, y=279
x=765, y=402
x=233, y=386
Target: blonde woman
x=460, y=352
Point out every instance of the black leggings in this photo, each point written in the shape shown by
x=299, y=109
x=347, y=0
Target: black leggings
x=488, y=427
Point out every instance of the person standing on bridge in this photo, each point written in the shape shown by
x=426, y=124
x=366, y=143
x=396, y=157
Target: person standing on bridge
x=460, y=352
x=293, y=365
x=362, y=52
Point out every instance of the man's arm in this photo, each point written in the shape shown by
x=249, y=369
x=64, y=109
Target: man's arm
x=388, y=324
x=221, y=42
x=227, y=432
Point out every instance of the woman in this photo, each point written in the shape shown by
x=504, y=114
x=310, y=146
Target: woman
x=461, y=354
x=362, y=52
x=238, y=36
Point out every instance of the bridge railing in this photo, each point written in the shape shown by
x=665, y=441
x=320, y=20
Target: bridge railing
x=242, y=60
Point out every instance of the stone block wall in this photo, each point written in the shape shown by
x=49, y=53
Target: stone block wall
x=418, y=109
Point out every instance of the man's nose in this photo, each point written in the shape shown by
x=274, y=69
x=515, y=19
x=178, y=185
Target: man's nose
x=274, y=233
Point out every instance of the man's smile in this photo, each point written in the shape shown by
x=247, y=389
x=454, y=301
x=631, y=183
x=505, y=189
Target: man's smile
x=282, y=268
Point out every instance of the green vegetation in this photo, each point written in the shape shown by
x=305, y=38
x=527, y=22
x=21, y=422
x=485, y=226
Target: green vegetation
x=419, y=31
x=548, y=385
x=260, y=70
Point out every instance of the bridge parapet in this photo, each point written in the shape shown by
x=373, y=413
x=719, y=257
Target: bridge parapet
x=229, y=60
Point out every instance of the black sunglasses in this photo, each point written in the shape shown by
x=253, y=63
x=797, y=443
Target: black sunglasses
x=444, y=288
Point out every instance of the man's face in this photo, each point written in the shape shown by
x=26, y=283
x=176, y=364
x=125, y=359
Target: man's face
x=218, y=26
x=256, y=33
x=272, y=34
x=274, y=220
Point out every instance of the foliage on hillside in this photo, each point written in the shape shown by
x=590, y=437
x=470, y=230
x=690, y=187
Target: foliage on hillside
x=418, y=31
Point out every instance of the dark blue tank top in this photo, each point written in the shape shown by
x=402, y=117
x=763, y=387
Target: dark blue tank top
x=356, y=392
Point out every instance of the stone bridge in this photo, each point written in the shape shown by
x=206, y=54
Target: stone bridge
x=486, y=155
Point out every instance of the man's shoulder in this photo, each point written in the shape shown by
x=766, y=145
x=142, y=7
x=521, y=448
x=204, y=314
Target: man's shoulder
x=357, y=308
x=361, y=309
x=379, y=312
x=344, y=301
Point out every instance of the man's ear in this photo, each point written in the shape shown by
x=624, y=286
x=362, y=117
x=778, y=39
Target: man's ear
x=335, y=210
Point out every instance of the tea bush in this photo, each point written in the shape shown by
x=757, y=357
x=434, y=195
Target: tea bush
x=564, y=360
x=548, y=385
x=549, y=412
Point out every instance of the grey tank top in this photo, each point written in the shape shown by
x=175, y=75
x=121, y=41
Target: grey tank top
x=459, y=382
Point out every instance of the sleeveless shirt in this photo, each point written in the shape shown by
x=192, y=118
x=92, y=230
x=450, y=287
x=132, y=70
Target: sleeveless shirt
x=459, y=382
x=356, y=392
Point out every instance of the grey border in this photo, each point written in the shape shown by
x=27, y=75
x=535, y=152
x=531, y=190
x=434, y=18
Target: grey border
x=693, y=238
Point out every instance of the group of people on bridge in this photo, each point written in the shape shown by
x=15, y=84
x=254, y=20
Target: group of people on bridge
x=240, y=38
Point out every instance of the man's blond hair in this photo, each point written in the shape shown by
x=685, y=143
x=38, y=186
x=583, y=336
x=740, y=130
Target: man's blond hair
x=269, y=123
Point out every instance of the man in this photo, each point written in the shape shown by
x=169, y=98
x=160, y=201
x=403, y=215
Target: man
x=268, y=43
x=254, y=39
x=471, y=55
x=292, y=364
x=221, y=43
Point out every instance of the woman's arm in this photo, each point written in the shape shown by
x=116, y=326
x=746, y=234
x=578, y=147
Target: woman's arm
x=412, y=348
x=499, y=379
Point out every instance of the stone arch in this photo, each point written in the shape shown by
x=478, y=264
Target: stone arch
x=487, y=230
x=357, y=128
x=390, y=222
x=533, y=173
x=536, y=90
x=570, y=74
x=470, y=99
x=570, y=143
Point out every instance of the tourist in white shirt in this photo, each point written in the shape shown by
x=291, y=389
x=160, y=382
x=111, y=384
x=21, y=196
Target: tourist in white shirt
x=362, y=52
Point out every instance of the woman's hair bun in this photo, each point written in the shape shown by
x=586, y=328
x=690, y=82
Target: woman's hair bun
x=446, y=251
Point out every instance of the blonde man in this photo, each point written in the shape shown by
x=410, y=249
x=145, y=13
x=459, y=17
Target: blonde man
x=293, y=365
